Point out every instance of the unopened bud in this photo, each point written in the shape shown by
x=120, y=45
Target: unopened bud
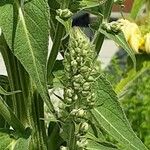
x=74, y=63
x=64, y=14
x=82, y=143
x=83, y=127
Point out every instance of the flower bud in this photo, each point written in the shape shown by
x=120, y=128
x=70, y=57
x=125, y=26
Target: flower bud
x=85, y=93
x=80, y=113
x=84, y=69
x=86, y=86
x=78, y=78
x=69, y=93
x=106, y=26
x=91, y=79
x=64, y=13
x=75, y=97
x=82, y=143
x=84, y=52
x=76, y=86
x=67, y=68
x=69, y=100
x=74, y=63
x=83, y=128
x=78, y=59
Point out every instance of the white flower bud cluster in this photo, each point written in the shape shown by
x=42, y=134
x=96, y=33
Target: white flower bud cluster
x=80, y=71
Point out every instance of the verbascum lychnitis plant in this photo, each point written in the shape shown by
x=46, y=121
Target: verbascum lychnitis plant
x=80, y=73
x=88, y=107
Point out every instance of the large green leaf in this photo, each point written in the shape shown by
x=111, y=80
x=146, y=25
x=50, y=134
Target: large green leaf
x=121, y=41
x=111, y=117
x=26, y=30
x=10, y=141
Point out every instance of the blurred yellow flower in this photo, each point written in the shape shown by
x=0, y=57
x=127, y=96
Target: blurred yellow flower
x=147, y=42
x=132, y=34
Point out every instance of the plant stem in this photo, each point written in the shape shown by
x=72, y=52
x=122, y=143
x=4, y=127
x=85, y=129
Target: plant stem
x=99, y=37
x=12, y=66
x=72, y=137
x=10, y=117
x=38, y=126
x=57, y=41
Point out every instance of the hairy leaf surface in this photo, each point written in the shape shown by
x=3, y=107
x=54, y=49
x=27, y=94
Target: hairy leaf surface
x=97, y=146
x=26, y=29
x=111, y=117
x=8, y=141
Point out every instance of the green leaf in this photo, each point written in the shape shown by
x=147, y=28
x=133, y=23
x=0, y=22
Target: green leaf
x=143, y=64
x=136, y=7
x=121, y=41
x=111, y=117
x=26, y=30
x=101, y=142
x=8, y=141
x=3, y=92
x=97, y=146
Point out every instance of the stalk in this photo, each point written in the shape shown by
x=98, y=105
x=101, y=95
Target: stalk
x=10, y=117
x=38, y=126
x=57, y=40
x=99, y=37
x=12, y=67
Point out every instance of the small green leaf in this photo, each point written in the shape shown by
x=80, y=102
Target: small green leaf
x=9, y=142
x=111, y=117
x=3, y=92
x=121, y=41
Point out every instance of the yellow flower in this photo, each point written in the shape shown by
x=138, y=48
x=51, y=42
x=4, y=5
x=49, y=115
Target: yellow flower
x=147, y=42
x=132, y=34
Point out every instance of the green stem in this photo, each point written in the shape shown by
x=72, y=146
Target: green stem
x=39, y=139
x=72, y=137
x=55, y=48
x=10, y=117
x=57, y=41
x=25, y=88
x=99, y=37
x=12, y=66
